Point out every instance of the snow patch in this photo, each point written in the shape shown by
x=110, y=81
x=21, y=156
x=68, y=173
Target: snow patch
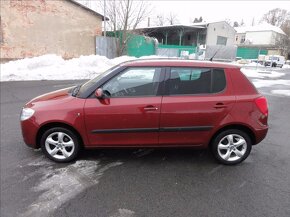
x=258, y=73
x=59, y=185
x=281, y=92
x=268, y=83
x=53, y=67
x=123, y=213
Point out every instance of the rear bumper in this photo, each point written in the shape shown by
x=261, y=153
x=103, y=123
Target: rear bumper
x=29, y=132
x=260, y=134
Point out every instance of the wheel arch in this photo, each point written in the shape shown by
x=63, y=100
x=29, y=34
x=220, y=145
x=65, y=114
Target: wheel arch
x=47, y=126
x=241, y=127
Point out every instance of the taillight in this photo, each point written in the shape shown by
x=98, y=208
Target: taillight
x=262, y=105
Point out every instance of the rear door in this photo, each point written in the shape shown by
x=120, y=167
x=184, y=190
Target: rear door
x=130, y=116
x=196, y=102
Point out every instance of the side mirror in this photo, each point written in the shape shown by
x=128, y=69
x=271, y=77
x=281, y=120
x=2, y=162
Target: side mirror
x=101, y=94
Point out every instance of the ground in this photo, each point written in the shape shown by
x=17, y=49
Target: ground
x=145, y=182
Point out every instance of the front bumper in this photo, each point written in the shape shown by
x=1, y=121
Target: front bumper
x=29, y=132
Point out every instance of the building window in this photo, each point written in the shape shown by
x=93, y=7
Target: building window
x=221, y=40
x=237, y=38
x=243, y=39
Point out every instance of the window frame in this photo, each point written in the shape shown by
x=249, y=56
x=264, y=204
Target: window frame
x=221, y=40
x=167, y=82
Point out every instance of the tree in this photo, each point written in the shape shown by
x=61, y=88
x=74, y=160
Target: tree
x=242, y=23
x=160, y=20
x=198, y=20
x=172, y=19
x=280, y=18
x=276, y=17
x=236, y=24
x=125, y=16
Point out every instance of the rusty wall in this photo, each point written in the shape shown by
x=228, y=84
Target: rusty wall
x=36, y=27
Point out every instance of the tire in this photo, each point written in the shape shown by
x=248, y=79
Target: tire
x=231, y=153
x=60, y=144
x=274, y=64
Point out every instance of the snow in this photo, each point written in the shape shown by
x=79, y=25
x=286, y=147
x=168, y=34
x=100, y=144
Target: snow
x=261, y=73
x=259, y=28
x=281, y=92
x=268, y=83
x=53, y=67
x=58, y=185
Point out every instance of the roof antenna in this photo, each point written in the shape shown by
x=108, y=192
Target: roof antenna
x=214, y=55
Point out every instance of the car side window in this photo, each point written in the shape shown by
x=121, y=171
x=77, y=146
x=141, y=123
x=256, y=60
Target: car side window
x=196, y=81
x=133, y=82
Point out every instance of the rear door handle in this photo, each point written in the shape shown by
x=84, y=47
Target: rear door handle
x=220, y=105
x=150, y=108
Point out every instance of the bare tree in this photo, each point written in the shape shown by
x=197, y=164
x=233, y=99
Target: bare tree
x=160, y=20
x=276, y=17
x=125, y=16
x=281, y=18
x=198, y=20
x=236, y=24
x=172, y=19
x=242, y=23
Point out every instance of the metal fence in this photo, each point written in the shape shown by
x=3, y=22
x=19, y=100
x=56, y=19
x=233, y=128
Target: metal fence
x=220, y=52
x=106, y=46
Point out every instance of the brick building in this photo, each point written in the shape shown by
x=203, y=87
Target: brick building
x=36, y=27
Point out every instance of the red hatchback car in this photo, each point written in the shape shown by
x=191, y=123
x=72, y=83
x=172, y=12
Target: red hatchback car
x=151, y=103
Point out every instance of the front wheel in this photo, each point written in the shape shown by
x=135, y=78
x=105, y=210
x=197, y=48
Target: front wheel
x=60, y=144
x=231, y=147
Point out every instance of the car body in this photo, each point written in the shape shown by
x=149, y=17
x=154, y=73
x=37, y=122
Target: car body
x=151, y=103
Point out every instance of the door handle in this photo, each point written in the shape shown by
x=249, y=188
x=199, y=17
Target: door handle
x=219, y=105
x=150, y=108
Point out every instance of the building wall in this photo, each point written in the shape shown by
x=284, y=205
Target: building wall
x=261, y=38
x=220, y=29
x=36, y=27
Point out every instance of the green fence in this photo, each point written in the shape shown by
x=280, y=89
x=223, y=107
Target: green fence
x=250, y=53
x=140, y=46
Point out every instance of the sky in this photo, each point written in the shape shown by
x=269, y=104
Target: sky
x=186, y=11
x=233, y=10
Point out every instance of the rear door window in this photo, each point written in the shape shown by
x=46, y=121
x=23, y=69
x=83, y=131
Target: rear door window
x=196, y=81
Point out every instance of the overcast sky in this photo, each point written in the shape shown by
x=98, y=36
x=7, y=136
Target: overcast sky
x=233, y=10
x=219, y=10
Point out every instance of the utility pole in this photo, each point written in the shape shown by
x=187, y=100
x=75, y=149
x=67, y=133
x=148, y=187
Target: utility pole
x=105, y=31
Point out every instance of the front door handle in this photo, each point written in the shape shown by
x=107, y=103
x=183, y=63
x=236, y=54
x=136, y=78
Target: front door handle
x=150, y=108
x=219, y=105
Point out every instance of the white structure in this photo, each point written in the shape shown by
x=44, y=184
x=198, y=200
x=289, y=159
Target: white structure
x=218, y=33
x=264, y=35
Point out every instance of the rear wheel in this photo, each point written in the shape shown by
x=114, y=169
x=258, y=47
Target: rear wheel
x=60, y=144
x=231, y=146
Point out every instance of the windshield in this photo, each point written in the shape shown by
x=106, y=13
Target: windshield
x=273, y=58
x=91, y=82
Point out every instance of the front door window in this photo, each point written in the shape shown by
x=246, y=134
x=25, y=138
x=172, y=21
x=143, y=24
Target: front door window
x=134, y=82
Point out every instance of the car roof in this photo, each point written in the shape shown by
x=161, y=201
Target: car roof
x=177, y=63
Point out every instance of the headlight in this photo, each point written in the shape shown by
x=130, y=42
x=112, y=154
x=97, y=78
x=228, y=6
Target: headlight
x=26, y=114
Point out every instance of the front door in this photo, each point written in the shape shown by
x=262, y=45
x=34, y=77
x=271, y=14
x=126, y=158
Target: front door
x=130, y=116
